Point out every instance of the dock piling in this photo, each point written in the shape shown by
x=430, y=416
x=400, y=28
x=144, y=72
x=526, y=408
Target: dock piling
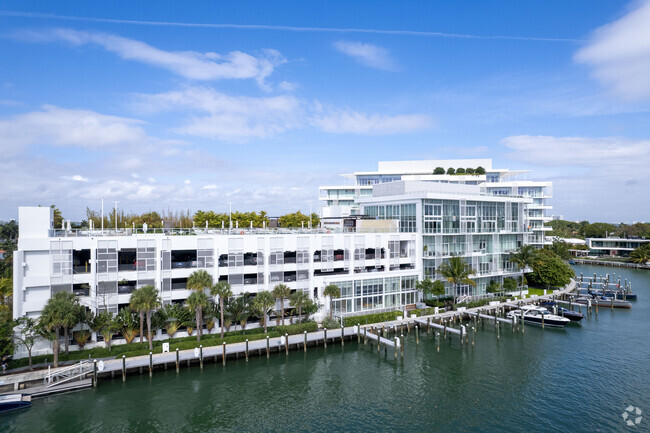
x=396, y=343
x=247, y=350
x=95, y=373
x=342, y=336
x=473, y=335
x=365, y=335
x=304, y=345
x=325, y=338
x=267, y=347
x=150, y=364
x=177, y=361
x=437, y=341
x=286, y=343
x=123, y=368
x=201, y=355
x=417, y=334
x=223, y=353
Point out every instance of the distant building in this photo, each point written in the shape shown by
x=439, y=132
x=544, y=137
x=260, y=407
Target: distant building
x=614, y=246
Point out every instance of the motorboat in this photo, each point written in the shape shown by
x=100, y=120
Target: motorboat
x=14, y=401
x=539, y=316
x=573, y=316
x=603, y=301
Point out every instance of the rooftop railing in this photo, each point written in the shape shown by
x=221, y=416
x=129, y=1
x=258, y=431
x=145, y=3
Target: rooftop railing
x=212, y=231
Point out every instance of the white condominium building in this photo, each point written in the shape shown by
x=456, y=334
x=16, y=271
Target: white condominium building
x=344, y=200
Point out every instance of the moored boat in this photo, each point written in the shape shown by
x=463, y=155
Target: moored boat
x=602, y=301
x=14, y=401
x=539, y=316
x=573, y=316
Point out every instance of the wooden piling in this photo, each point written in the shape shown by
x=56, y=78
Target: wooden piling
x=417, y=334
x=123, y=368
x=396, y=342
x=247, y=350
x=342, y=337
x=95, y=373
x=304, y=345
x=201, y=356
x=150, y=364
x=177, y=361
x=325, y=338
x=286, y=343
x=223, y=353
x=365, y=335
x=267, y=347
x=437, y=341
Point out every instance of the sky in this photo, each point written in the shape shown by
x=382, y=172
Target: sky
x=195, y=105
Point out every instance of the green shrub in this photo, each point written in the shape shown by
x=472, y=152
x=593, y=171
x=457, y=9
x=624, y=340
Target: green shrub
x=372, y=318
x=509, y=284
x=331, y=323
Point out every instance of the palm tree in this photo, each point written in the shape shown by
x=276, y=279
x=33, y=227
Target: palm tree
x=239, y=310
x=128, y=324
x=149, y=301
x=641, y=255
x=281, y=291
x=263, y=302
x=104, y=324
x=199, y=280
x=196, y=301
x=524, y=258
x=457, y=271
x=135, y=302
x=298, y=299
x=174, y=316
x=333, y=291
x=55, y=317
x=223, y=291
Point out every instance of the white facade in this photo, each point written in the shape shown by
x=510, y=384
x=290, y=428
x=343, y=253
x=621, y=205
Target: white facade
x=343, y=200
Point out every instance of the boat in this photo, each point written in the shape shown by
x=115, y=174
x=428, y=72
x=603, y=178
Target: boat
x=14, y=401
x=539, y=316
x=573, y=316
x=603, y=301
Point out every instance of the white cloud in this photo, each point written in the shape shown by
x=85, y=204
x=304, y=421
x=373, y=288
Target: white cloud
x=619, y=54
x=351, y=122
x=76, y=178
x=189, y=64
x=224, y=117
x=65, y=127
x=603, y=153
x=210, y=186
x=369, y=55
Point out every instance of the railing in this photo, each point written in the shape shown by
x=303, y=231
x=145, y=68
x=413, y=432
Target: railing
x=67, y=374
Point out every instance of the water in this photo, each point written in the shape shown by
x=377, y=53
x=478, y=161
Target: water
x=579, y=379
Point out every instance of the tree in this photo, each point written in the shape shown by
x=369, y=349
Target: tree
x=26, y=333
x=197, y=301
x=493, y=287
x=136, y=304
x=509, y=284
x=281, y=292
x=439, y=170
x=57, y=217
x=263, y=303
x=199, y=281
x=641, y=255
x=310, y=308
x=6, y=332
x=469, y=170
x=598, y=230
x=457, y=271
x=428, y=287
x=6, y=287
x=460, y=170
x=149, y=301
x=479, y=170
x=523, y=259
x=174, y=316
x=104, y=324
x=561, y=249
x=298, y=299
x=332, y=291
x=451, y=170
x=239, y=310
x=55, y=317
x=298, y=219
x=223, y=290
x=550, y=270
x=127, y=321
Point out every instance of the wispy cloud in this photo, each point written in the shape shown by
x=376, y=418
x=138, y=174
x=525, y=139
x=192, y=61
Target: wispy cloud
x=352, y=122
x=225, y=117
x=76, y=178
x=619, y=54
x=284, y=28
x=188, y=64
x=369, y=55
x=66, y=127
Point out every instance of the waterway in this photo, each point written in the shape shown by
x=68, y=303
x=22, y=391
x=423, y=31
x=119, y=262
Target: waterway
x=579, y=379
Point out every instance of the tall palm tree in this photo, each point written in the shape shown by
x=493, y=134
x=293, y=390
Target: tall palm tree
x=333, y=291
x=457, y=271
x=224, y=292
x=104, y=324
x=263, y=302
x=281, y=292
x=298, y=299
x=149, y=301
x=55, y=317
x=196, y=301
x=136, y=304
x=199, y=280
x=524, y=258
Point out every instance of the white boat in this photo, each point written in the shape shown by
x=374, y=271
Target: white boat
x=14, y=401
x=539, y=316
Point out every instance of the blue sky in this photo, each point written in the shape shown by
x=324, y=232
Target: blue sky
x=195, y=105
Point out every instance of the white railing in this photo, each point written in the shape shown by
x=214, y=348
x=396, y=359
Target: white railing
x=66, y=374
